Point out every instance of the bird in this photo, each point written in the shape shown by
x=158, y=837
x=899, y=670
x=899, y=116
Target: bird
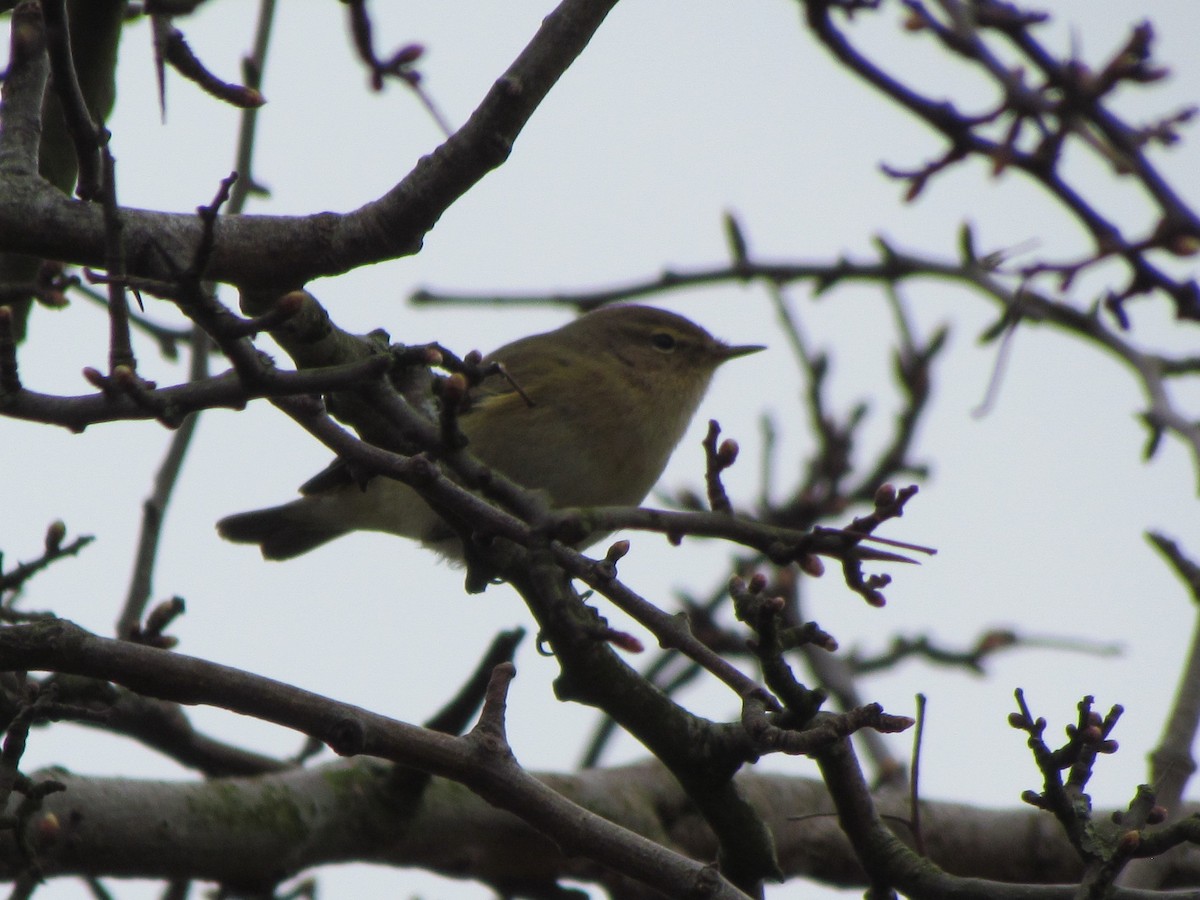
x=589, y=413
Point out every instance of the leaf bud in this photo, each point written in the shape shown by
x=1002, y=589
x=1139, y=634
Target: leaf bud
x=54, y=535
x=625, y=641
x=454, y=389
x=617, y=551
x=811, y=565
x=408, y=54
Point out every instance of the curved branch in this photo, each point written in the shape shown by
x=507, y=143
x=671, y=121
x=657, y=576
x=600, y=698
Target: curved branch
x=281, y=251
x=493, y=774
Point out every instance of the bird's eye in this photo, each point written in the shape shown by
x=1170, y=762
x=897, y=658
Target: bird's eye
x=663, y=341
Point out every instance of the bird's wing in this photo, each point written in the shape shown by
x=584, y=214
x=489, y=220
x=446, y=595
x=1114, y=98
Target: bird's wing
x=498, y=393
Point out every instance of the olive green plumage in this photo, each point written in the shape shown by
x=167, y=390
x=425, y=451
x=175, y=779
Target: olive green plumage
x=604, y=400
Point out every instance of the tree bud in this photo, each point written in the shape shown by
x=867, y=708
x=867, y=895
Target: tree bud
x=54, y=535
x=885, y=494
x=811, y=565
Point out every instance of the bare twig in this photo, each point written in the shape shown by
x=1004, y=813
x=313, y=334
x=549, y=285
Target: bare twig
x=155, y=506
x=54, y=550
x=1171, y=762
x=120, y=347
x=170, y=46
x=401, y=65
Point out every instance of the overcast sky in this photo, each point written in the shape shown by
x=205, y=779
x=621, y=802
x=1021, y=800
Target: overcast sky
x=678, y=111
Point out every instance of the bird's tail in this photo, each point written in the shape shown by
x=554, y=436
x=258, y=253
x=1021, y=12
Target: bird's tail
x=281, y=532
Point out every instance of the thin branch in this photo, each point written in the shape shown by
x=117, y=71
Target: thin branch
x=167, y=338
x=670, y=630
x=122, y=400
x=162, y=726
x=172, y=47
x=401, y=65
x=253, y=67
x=54, y=550
x=1172, y=764
x=120, y=347
x=971, y=658
x=155, y=506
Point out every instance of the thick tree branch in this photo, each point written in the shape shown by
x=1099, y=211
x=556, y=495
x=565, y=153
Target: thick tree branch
x=340, y=812
x=278, y=251
x=59, y=646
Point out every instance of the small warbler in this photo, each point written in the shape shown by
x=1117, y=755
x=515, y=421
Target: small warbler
x=601, y=405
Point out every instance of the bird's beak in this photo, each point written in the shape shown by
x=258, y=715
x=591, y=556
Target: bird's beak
x=728, y=352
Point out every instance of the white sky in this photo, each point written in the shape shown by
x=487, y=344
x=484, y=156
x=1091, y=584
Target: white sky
x=678, y=111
